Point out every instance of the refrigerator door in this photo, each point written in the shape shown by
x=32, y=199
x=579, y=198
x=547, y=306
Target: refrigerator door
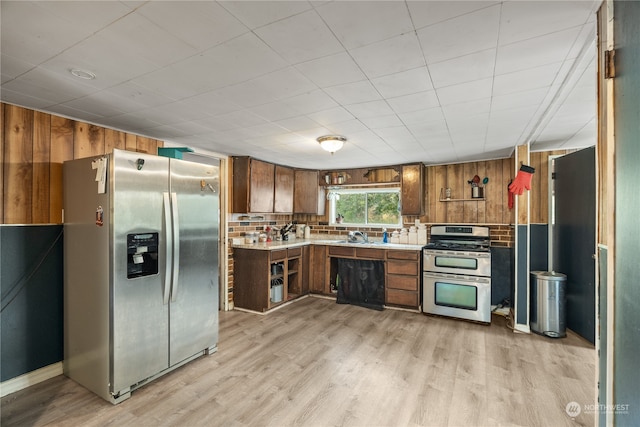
x=193, y=315
x=140, y=329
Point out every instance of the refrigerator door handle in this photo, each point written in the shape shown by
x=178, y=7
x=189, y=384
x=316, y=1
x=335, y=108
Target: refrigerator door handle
x=176, y=246
x=168, y=248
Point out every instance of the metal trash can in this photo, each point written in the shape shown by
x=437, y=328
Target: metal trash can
x=548, y=303
x=277, y=288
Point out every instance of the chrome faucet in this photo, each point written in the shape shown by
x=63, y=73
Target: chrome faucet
x=353, y=236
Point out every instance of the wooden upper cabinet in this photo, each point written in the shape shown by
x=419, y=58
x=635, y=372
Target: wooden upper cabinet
x=413, y=189
x=283, y=193
x=307, y=195
x=253, y=185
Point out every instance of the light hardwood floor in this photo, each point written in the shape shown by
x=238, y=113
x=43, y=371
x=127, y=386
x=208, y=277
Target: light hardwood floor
x=317, y=363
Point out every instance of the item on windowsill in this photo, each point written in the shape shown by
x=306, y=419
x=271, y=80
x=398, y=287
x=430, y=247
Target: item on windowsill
x=339, y=218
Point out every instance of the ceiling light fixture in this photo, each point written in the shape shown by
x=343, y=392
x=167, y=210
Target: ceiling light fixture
x=82, y=74
x=332, y=143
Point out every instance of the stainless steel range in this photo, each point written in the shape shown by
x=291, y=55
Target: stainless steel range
x=457, y=273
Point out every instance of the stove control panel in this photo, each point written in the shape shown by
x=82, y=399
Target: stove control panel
x=458, y=229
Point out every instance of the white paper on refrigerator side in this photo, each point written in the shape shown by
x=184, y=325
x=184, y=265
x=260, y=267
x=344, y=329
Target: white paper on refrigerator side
x=100, y=165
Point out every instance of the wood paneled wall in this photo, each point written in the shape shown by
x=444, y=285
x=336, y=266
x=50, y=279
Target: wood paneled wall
x=33, y=147
x=539, y=197
x=494, y=208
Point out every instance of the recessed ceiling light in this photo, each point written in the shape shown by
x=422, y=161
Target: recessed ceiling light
x=82, y=74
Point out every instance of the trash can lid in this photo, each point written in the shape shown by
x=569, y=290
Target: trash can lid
x=549, y=275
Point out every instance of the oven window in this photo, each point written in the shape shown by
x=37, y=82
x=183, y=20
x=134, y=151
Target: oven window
x=456, y=295
x=456, y=262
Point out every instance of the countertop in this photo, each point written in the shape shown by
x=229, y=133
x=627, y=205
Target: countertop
x=268, y=246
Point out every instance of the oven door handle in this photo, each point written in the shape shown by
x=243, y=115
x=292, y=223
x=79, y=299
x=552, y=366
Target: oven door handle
x=475, y=279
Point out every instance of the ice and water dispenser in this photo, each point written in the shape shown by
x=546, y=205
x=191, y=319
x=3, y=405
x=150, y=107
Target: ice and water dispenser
x=142, y=255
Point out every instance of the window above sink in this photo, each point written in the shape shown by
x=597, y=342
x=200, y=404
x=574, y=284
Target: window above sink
x=371, y=207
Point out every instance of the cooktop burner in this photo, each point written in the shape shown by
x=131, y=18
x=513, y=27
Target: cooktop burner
x=459, y=238
x=458, y=246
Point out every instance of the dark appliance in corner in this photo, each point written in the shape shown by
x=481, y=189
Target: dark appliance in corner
x=361, y=282
x=457, y=273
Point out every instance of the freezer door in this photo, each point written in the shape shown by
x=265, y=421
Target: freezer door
x=140, y=329
x=193, y=315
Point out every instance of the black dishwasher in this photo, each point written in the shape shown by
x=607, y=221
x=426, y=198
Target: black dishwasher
x=360, y=282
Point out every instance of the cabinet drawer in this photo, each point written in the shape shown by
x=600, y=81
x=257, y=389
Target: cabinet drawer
x=400, y=297
x=342, y=250
x=407, y=283
x=409, y=255
x=403, y=267
x=294, y=252
x=370, y=253
x=277, y=255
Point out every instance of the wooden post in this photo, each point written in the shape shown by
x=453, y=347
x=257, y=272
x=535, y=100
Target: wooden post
x=522, y=242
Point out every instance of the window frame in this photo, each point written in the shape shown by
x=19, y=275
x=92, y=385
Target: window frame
x=359, y=190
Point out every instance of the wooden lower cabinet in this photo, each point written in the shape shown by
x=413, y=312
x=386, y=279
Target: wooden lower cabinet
x=311, y=268
x=264, y=279
x=403, y=278
x=306, y=269
x=403, y=272
x=318, y=263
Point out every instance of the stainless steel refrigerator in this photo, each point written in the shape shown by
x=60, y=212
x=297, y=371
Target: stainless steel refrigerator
x=140, y=268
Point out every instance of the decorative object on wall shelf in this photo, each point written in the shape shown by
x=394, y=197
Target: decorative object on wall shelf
x=477, y=192
x=363, y=176
x=335, y=178
x=382, y=175
x=445, y=194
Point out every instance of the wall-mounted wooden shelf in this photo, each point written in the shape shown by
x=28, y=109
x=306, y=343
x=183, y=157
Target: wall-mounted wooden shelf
x=476, y=199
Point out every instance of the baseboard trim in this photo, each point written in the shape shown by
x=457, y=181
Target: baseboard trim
x=30, y=378
x=524, y=329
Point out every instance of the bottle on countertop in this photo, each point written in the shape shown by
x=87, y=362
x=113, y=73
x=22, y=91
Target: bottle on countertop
x=412, y=237
x=404, y=236
x=385, y=236
x=307, y=232
x=422, y=234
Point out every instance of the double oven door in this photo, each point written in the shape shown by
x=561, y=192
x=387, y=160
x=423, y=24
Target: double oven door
x=457, y=284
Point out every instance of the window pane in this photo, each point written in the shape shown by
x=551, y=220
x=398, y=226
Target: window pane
x=352, y=206
x=382, y=208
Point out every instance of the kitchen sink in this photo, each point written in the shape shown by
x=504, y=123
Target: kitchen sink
x=347, y=242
